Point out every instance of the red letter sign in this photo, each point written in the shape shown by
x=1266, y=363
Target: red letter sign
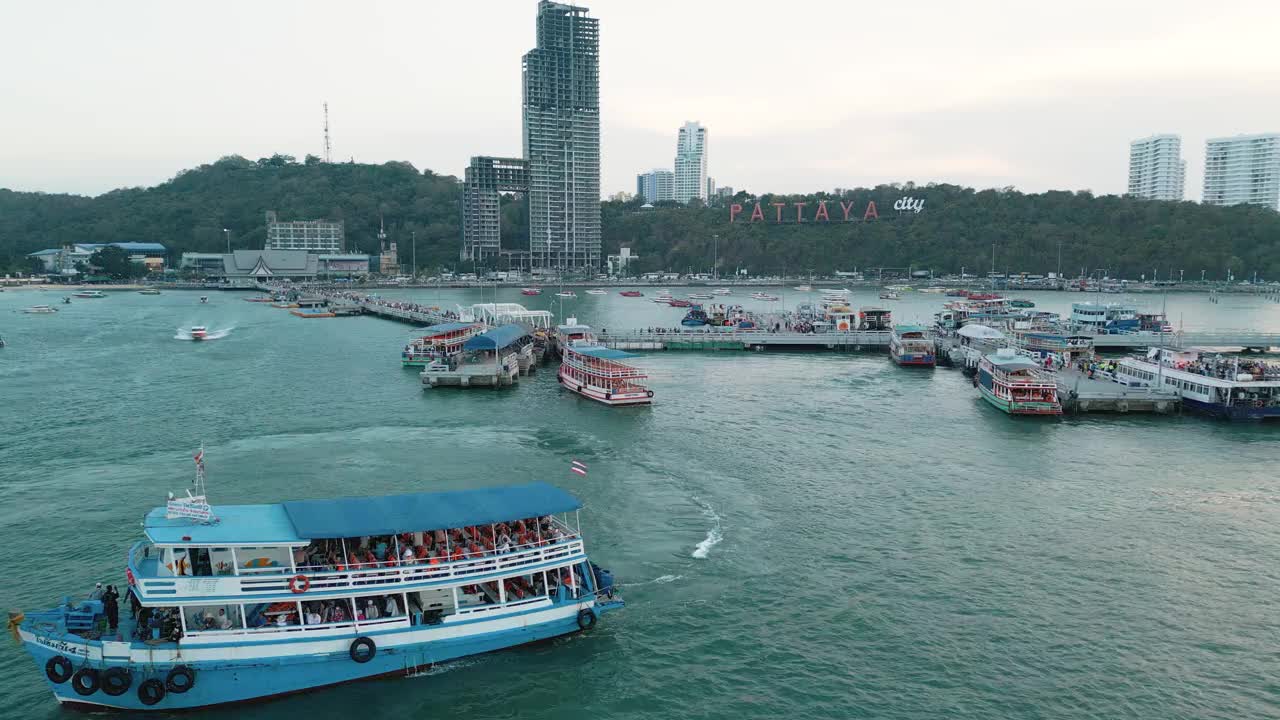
x=846, y=207
x=777, y=211
x=757, y=213
x=871, y=211
x=822, y=212
x=800, y=211
x=734, y=209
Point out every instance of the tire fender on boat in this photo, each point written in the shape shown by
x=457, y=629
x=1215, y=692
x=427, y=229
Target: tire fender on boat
x=58, y=669
x=363, y=649
x=85, y=681
x=180, y=679
x=586, y=619
x=299, y=584
x=151, y=691
x=116, y=681
x=649, y=393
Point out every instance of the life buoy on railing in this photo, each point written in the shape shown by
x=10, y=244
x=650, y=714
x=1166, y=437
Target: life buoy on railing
x=299, y=584
x=649, y=393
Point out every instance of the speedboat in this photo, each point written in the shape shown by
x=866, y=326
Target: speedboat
x=631, y=293
x=531, y=291
x=204, y=298
x=66, y=301
x=199, y=332
x=722, y=291
x=597, y=291
x=566, y=294
x=40, y=310
x=803, y=288
x=764, y=296
x=890, y=295
x=90, y=294
x=676, y=302
x=700, y=296
x=149, y=291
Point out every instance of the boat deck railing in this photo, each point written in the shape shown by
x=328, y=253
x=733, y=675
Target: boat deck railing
x=324, y=580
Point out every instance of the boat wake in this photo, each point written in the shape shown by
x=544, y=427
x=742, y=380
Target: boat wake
x=714, y=535
x=663, y=580
x=442, y=668
x=185, y=334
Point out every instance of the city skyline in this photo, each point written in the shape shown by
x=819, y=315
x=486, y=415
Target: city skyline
x=1044, y=98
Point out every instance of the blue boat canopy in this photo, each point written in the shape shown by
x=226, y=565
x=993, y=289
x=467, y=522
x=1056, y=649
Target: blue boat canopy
x=390, y=514
x=445, y=328
x=904, y=329
x=604, y=353
x=497, y=338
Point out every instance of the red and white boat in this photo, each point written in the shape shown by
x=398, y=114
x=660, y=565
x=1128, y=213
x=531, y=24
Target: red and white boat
x=531, y=291
x=199, y=332
x=596, y=372
x=631, y=293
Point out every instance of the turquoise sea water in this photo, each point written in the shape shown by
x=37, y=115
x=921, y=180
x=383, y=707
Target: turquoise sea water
x=822, y=535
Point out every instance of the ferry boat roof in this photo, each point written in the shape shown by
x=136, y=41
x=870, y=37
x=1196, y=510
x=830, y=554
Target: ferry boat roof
x=603, y=353
x=497, y=338
x=904, y=329
x=573, y=329
x=446, y=328
x=297, y=522
x=1012, y=362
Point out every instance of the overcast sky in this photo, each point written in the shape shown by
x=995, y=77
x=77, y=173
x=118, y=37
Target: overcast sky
x=797, y=96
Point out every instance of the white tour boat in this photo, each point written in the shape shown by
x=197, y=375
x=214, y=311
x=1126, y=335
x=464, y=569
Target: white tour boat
x=596, y=372
x=90, y=294
x=1223, y=386
x=40, y=310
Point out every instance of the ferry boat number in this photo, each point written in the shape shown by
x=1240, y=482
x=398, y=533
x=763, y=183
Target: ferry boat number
x=62, y=646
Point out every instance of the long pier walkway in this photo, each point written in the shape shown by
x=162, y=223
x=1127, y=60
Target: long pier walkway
x=754, y=340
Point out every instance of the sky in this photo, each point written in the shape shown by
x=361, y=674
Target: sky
x=799, y=96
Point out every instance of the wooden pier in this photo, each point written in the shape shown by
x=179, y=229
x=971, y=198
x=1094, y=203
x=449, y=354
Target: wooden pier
x=502, y=374
x=1079, y=394
x=750, y=340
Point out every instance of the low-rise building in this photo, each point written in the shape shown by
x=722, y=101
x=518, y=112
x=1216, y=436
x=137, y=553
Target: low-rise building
x=618, y=263
x=65, y=259
x=247, y=266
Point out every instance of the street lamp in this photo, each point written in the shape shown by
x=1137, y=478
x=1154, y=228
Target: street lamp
x=227, y=234
x=414, y=235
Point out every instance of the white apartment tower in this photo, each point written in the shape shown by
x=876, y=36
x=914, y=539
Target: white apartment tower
x=1243, y=169
x=691, y=163
x=1156, y=168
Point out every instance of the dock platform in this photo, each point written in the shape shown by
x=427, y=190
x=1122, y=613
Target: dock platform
x=750, y=340
x=1079, y=394
x=474, y=375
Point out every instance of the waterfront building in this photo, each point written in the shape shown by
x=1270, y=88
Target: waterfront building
x=562, y=137
x=618, y=263
x=482, y=187
x=320, y=236
x=1244, y=169
x=656, y=185
x=244, y=267
x=691, y=163
x=1156, y=168
x=65, y=259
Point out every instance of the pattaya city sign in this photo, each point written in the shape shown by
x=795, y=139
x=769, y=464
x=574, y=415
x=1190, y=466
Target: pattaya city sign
x=799, y=212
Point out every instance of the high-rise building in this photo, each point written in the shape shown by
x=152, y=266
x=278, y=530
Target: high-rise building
x=318, y=236
x=711, y=188
x=482, y=186
x=1243, y=169
x=691, y=163
x=562, y=137
x=1156, y=168
x=656, y=185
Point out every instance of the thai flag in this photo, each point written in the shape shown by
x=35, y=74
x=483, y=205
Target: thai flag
x=199, y=457
x=579, y=467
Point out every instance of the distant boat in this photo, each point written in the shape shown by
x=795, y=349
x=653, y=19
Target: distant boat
x=149, y=291
x=566, y=294
x=722, y=291
x=66, y=301
x=764, y=296
x=89, y=294
x=204, y=298
x=890, y=295
x=199, y=332
x=1020, y=303
x=803, y=288
x=631, y=293
x=531, y=291
x=700, y=296
x=597, y=291
x=39, y=310
x=679, y=303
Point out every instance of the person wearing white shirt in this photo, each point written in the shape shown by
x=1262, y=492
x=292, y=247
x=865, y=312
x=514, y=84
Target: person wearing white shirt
x=392, y=609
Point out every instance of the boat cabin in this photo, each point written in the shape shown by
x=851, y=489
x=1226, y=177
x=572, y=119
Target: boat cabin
x=872, y=318
x=439, y=342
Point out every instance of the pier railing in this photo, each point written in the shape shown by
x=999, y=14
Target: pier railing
x=323, y=581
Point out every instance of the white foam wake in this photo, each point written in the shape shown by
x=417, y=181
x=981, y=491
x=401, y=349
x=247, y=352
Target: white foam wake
x=714, y=535
x=662, y=580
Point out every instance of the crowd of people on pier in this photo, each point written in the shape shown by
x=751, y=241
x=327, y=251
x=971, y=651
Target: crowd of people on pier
x=1226, y=368
x=430, y=547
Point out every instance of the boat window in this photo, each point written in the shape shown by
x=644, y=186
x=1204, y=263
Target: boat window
x=200, y=618
x=271, y=615
x=327, y=612
x=256, y=560
x=379, y=607
x=157, y=623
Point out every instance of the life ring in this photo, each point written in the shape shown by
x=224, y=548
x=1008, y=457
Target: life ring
x=58, y=669
x=363, y=649
x=85, y=681
x=649, y=393
x=116, y=681
x=1258, y=403
x=151, y=691
x=299, y=584
x=180, y=679
x=586, y=619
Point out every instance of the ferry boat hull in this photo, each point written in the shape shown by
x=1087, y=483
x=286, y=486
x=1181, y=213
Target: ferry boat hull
x=914, y=359
x=603, y=395
x=224, y=676
x=1234, y=412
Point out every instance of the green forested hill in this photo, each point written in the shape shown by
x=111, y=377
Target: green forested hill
x=955, y=229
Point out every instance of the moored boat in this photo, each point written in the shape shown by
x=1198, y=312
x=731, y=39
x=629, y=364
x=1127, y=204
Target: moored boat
x=149, y=291
x=597, y=291
x=696, y=317
x=1222, y=386
x=1105, y=318
x=40, y=310
x=567, y=294
x=700, y=296
x=247, y=602
x=679, y=303
x=889, y=295
x=631, y=293
x=90, y=294
x=911, y=345
x=1021, y=303
x=531, y=291
x=874, y=318
x=1015, y=384
x=439, y=343
x=596, y=372
x=722, y=291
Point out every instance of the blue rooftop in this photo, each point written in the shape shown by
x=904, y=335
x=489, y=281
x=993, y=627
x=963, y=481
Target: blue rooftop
x=237, y=525
x=604, y=353
x=904, y=329
x=497, y=338
x=389, y=514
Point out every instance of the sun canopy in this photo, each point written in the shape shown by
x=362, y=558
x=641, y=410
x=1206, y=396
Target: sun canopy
x=390, y=514
x=497, y=338
x=981, y=332
x=445, y=328
x=904, y=329
x=604, y=353
x=1013, y=362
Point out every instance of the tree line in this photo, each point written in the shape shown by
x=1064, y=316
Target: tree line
x=956, y=227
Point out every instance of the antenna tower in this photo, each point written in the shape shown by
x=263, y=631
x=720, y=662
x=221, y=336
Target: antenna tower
x=327, y=153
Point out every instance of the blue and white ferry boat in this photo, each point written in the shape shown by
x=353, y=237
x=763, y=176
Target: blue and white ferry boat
x=1105, y=318
x=1222, y=386
x=245, y=602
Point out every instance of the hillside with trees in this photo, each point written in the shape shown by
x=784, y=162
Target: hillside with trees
x=956, y=228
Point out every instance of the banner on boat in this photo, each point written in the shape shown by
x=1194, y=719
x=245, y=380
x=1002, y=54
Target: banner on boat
x=821, y=211
x=194, y=508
